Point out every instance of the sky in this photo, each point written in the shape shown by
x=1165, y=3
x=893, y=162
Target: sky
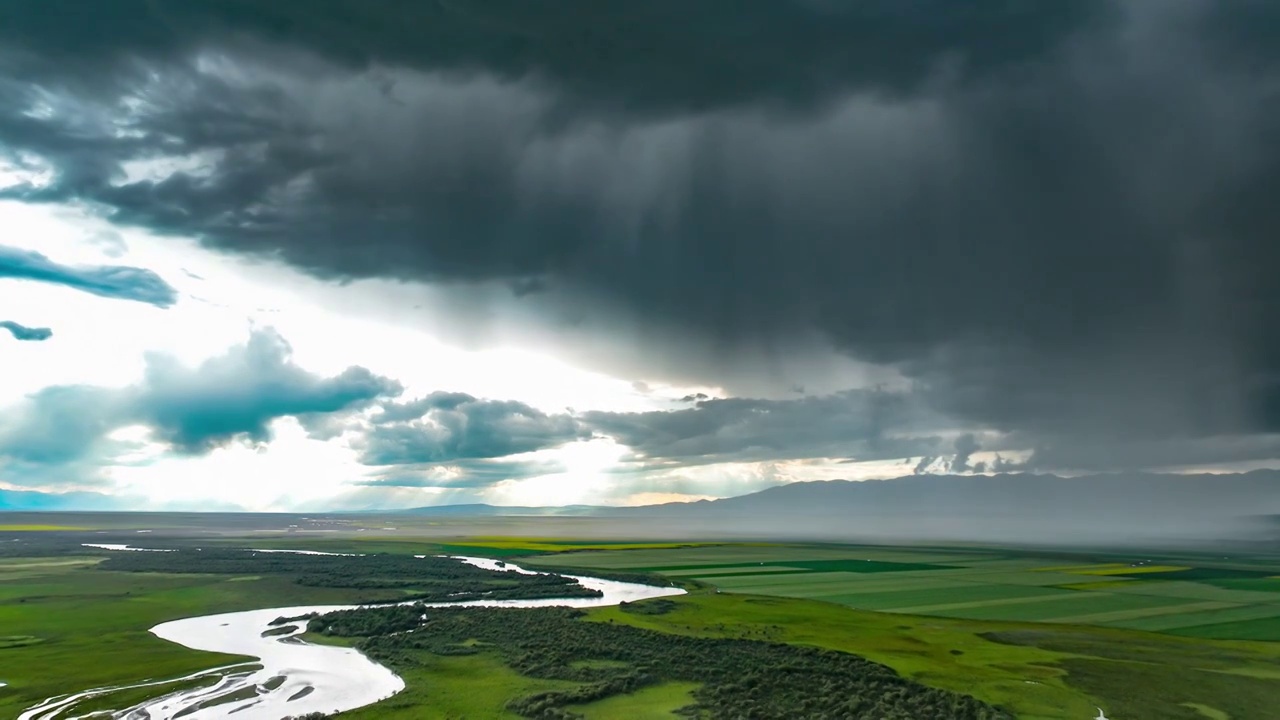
x=377, y=254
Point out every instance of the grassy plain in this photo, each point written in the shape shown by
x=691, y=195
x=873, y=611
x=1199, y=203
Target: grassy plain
x=957, y=618
x=653, y=703
x=479, y=686
x=1035, y=671
x=78, y=627
x=1044, y=634
x=457, y=687
x=1198, y=596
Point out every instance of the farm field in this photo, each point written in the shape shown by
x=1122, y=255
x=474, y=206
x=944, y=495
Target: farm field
x=1195, y=595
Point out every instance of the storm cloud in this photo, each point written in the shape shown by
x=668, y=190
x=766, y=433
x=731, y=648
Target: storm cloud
x=859, y=425
x=449, y=427
x=1054, y=221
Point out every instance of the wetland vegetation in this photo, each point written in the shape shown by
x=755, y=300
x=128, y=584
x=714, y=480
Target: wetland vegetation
x=394, y=578
x=1031, y=633
x=734, y=678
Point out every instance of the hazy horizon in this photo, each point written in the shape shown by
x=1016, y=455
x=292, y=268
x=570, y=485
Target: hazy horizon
x=1136, y=510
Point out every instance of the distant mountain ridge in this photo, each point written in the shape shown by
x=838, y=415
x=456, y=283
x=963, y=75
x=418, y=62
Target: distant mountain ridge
x=999, y=507
x=485, y=510
x=1136, y=508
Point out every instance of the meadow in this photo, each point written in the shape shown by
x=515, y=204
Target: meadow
x=1191, y=594
x=1040, y=633
x=1034, y=671
x=85, y=627
x=611, y=663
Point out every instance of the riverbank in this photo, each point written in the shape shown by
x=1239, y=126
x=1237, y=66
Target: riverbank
x=294, y=677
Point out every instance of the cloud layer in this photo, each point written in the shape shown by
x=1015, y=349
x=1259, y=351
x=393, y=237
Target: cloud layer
x=1053, y=222
x=444, y=427
x=866, y=425
x=64, y=433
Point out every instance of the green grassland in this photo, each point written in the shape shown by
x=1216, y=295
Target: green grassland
x=457, y=687
x=978, y=602
x=71, y=626
x=1195, y=595
x=1035, y=671
x=653, y=703
x=480, y=686
x=1044, y=634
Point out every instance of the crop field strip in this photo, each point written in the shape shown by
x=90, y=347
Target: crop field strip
x=705, y=571
x=1183, y=589
x=718, y=556
x=1262, y=628
x=1165, y=593
x=1115, y=616
x=1208, y=617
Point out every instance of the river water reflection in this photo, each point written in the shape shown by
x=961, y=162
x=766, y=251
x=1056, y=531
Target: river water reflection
x=290, y=676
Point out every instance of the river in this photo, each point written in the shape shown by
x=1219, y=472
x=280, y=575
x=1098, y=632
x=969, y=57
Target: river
x=291, y=676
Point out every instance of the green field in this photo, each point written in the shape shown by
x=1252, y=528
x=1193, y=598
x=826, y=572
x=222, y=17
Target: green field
x=1037, y=671
x=449, y=688
x=1042, y=634
x=652, y=703
x=69, y=626
x=479, y=686
x=1194, y=596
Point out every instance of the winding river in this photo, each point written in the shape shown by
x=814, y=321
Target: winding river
x=290, y=676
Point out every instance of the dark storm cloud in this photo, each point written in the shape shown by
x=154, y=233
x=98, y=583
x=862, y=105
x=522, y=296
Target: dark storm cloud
x=456, y=440
x=1056, y=219
x=865, y=425
x=448, y=427
x=63, y=431
x=110, y=281
x=22, y=332
x=1175, y=453
x=965, y=446
x=415, y=409
x=658, y=56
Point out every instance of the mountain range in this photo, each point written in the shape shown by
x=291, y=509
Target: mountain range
x=1016, y=507
x=1005, y=507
